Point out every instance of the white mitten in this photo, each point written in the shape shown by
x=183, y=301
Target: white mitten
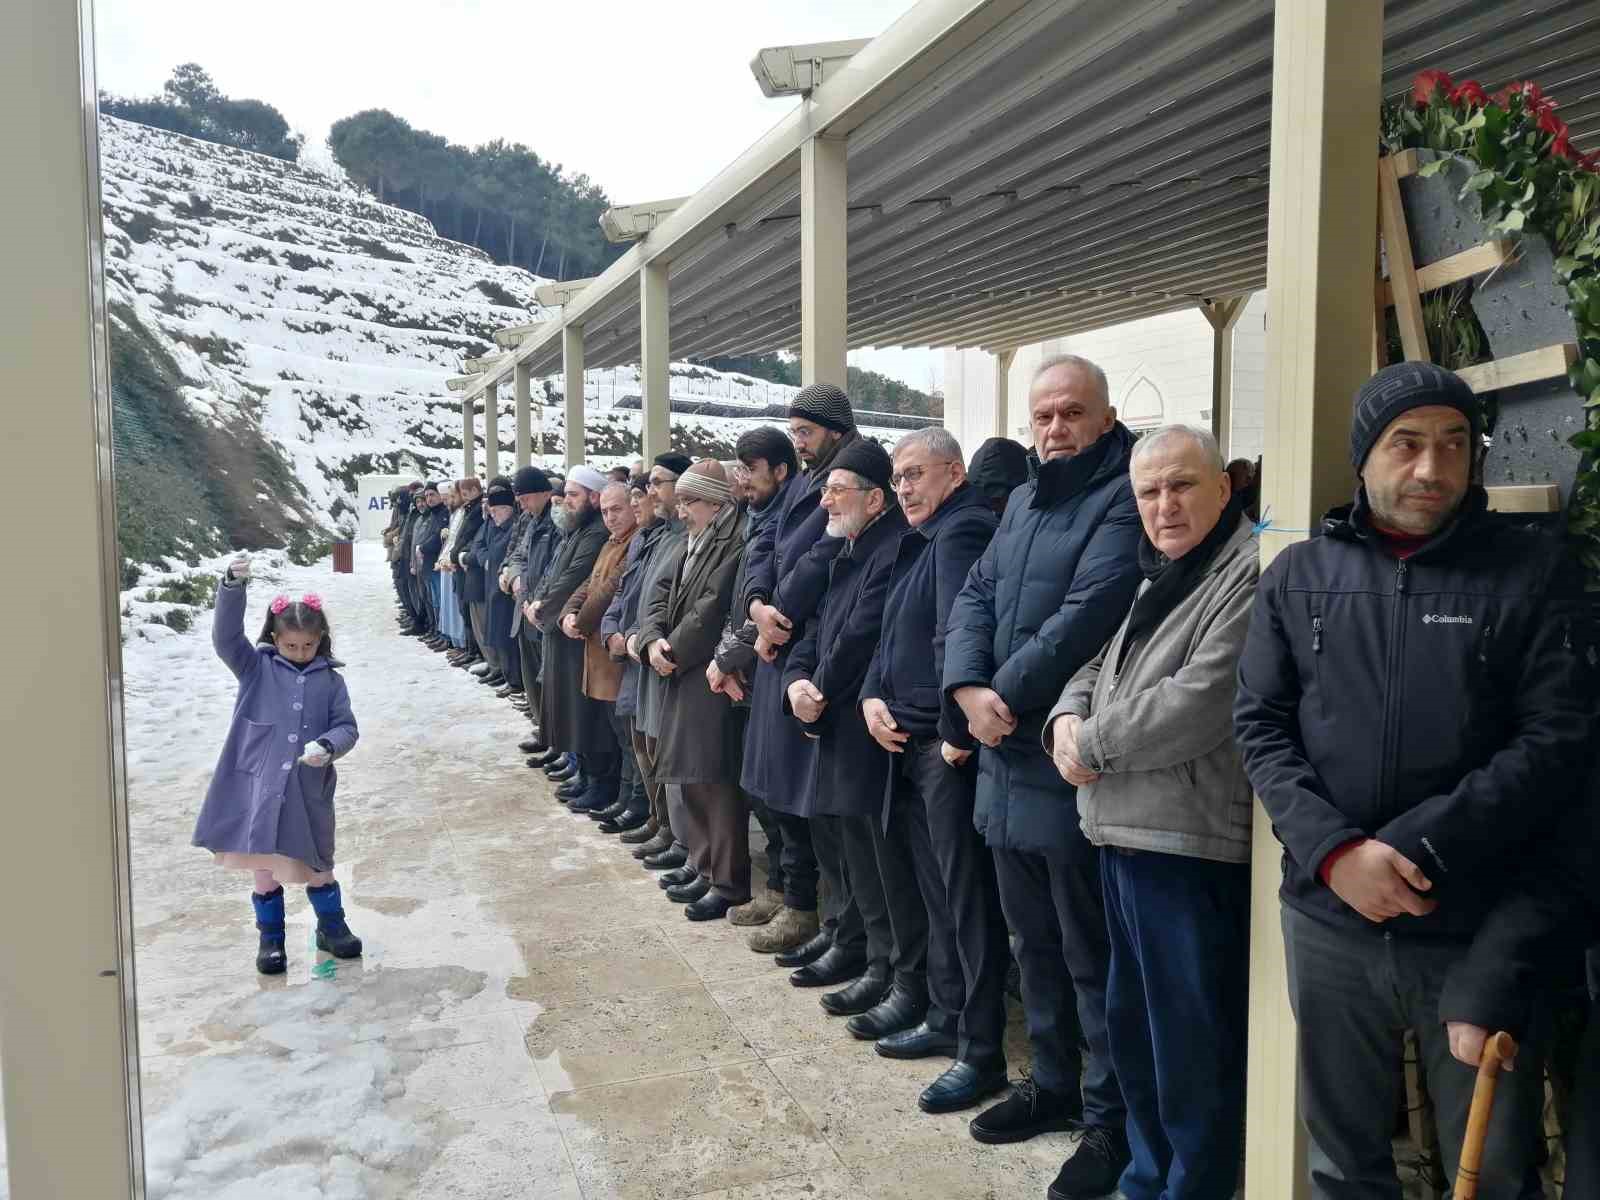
x=317, y=755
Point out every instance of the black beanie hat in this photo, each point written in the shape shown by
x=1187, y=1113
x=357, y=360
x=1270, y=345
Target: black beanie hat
x=430, y=486
x=825, y=404
x=500, y=491
x=1398, y=389
x=530, y=479
x=674, y=462
x=867, y=459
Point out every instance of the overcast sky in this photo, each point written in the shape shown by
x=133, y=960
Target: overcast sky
x=649, y=100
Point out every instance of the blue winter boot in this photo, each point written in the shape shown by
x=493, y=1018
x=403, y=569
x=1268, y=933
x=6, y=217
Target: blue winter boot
x=333, y=935
x=270, y=956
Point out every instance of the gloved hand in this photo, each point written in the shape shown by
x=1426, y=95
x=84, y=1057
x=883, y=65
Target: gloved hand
x=317, y=755
x=239, y=569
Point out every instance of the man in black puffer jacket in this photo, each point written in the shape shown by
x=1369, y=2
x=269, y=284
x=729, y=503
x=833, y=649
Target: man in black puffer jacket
x=1410, y=711
x=1047, y=594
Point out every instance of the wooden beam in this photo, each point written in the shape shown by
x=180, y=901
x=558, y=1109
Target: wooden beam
x=1402, y=270
x=1474, y=260
x=1405, y=163
x=1545, y=363
x=1525, y=498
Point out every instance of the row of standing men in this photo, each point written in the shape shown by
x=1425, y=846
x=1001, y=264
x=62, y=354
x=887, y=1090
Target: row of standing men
x=1017, y=708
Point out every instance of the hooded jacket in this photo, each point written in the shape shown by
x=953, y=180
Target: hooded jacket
x=1047, y=594
x=1434, y=703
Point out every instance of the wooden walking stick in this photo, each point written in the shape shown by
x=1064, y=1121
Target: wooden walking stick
x=1496, y=1050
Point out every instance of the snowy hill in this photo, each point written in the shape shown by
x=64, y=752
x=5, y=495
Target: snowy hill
x=277, y=332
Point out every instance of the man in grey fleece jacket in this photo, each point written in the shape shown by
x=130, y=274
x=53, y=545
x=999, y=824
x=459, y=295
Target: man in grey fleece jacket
x=1145, y=732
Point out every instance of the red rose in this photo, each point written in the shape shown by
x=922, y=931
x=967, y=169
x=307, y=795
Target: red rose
x=1552, y=124
x=1470, y=92
x=1426, y=83
x=1591, y=162
x=1562, y=148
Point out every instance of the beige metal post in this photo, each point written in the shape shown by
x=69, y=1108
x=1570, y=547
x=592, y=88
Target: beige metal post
x=654, y=356
x=468, y=435
x=66, y=979
x=1222, y=315
x=1002, y=392
x=823, y=308
x=1322, y=221
x=524, y=381
x=572, y=368
x=491, y=430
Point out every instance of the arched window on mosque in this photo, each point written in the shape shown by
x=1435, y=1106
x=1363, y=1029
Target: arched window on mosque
x=1142, y=407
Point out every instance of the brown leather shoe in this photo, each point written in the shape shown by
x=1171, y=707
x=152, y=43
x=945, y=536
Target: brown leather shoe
x=789, y=928
x=758, y=910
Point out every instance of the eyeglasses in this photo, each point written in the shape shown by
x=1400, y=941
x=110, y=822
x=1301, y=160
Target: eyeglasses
x=912, y=475
x=834, y=490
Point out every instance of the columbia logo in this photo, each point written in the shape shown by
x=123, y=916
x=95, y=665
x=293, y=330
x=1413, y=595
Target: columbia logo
x=1444, y=619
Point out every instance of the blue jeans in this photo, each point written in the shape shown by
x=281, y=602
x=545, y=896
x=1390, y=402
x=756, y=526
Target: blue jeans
x=1177, y=1010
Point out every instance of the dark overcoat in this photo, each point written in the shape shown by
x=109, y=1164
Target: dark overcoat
x=849, y=770
x=1046, y=596
x=789, y=559
x=568, y=718
x=699, y=739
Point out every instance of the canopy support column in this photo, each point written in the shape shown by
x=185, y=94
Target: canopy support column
x=70, y=1060
x=654, y=357
x=524, y=383
x=1321, y=229
x=1222, y=315
x=468, y=437
x=823, y=278
x=572, y=369
x=491, y=430
x=1002, y=392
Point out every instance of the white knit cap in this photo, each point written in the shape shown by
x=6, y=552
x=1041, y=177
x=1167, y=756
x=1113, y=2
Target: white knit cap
x=586, y=476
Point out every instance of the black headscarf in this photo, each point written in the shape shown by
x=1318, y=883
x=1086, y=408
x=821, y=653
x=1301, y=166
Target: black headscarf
x=1172, y=579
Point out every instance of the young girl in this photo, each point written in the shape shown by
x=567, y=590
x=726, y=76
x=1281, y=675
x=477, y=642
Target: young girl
x=269, y=808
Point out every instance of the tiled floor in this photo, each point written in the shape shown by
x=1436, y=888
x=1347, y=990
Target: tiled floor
x=532, y=1017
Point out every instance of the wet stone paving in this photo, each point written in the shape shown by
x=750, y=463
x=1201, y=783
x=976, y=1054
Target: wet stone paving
x=532, y=1017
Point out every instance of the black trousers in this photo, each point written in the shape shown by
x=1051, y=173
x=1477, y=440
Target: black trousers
x=1583, y=1139
x=889, y=882
x=856, y=841
x=833, y=875
x=531, y=644
x=799, y=857
x=1354, y=994
x=1056, y=910
x=772, y=828
x=969, y=947
x=403, y=588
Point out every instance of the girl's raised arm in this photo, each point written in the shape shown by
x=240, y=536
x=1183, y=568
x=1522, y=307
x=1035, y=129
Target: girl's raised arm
x=227, y=623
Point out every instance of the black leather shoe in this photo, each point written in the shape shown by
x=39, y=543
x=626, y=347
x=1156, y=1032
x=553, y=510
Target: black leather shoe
x=493, y=679
x=710, y=907
x=808, y=952
x=672, y=856
x=1029, y=1110
x=567, y=773
x=918, y=1041
x=625, y=823
x=544, y=757
x=573, y=788
x=961, y=1086
x=859, y=995
x=1095, y=1167
x=659, y=843
x=609, y=812
x=688, y=893
x=677, y=877
x=532, y=746
x=640, y=836
x=897, y=1012
x=835, y=965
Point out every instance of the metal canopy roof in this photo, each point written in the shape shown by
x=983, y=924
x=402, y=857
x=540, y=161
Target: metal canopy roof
x=1035, y=168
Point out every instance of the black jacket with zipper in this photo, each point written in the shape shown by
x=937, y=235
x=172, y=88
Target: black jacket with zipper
x=1433, y=703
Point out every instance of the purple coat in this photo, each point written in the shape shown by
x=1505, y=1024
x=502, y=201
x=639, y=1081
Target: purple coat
x=262, y=800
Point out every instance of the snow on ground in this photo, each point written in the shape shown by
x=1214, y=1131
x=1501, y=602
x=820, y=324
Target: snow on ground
x=531, y=1018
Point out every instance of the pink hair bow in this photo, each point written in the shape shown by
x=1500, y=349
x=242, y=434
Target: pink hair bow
x=281, y=602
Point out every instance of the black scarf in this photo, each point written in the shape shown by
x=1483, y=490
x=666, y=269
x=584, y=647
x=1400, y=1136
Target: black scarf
x=1171, y=580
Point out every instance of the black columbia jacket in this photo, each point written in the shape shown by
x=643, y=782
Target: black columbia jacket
x=1434, y=703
